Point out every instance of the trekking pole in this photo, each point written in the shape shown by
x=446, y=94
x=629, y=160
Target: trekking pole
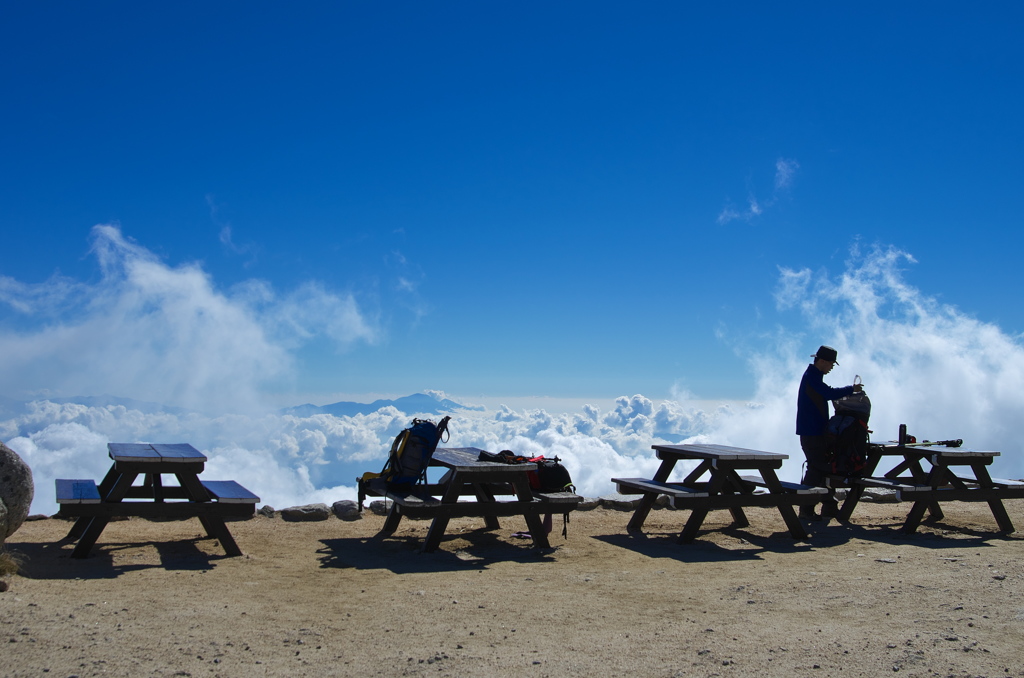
x=933, y=443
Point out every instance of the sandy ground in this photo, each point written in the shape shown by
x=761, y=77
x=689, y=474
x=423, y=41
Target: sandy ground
x=326, y=598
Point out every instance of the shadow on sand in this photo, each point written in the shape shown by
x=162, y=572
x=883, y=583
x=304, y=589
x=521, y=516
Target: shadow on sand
x=401, y=554
x=749, y=546
x=54, y=561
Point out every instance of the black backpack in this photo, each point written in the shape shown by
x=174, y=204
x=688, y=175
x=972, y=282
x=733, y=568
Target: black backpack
x=847, y=435
x=550, y=476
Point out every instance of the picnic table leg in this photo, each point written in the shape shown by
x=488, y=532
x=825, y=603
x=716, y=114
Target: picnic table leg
x=693, y=524
x=914, y=517
x=912, y=463
x=109, y=480
x=995, y=505
x=107, y=484
x=89, y=536
x=215, y=526
x=437, y=527
x=916, y=514
x=78, y=529
x=483, y=494
x=855, y=490
x=96, y=525
x=533, y=520
x=853, y=495
x=440, y=522
x=796, y=528
x=218, y=529
x=739, y=517
x=643, y=509
x=393, y=519
x=919, y=475
x=537, y=531
x=697, y=515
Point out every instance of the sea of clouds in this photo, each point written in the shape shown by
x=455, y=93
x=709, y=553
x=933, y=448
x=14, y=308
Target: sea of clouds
x=164, y=334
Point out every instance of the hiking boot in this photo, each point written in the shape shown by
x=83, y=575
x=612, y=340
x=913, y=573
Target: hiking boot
x=807, y=513
x=829, y=509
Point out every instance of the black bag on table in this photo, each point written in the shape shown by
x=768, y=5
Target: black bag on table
x=847, y=435
x=550, y=475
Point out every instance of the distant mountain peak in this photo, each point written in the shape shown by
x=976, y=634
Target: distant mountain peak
x=431, y=402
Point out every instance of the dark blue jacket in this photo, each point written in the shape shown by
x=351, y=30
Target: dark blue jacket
x=812, y=403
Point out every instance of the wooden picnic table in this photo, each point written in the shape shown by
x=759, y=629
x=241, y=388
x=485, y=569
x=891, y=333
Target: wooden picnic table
x=209, y=500
x=724, y=488
x=955, y=474
x=467, y=476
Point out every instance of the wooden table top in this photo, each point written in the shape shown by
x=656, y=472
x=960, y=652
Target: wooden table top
x=466, y=460
x=929, y=451
x=155, y=452
x=717, y=452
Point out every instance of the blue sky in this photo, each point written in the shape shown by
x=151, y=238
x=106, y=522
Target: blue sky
x=574, y=199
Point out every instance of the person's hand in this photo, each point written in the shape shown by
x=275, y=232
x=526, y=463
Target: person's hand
x=857, y=388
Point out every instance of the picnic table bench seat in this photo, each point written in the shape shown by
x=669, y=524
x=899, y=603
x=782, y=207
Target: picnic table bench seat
x=971, y=492
x=557, y=497
x=79, y=491
x=229, y=492
x=85, y=491
x=415, y=503
x=898, y=484
x=419, y=503
x=645, y=485
x=1003, y=482
x=788, y=486
x=907, y=489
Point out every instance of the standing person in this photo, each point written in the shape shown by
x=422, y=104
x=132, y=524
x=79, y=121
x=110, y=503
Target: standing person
x=811, y=420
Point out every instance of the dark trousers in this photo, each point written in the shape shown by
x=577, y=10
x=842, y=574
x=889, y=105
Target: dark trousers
x=816, y=452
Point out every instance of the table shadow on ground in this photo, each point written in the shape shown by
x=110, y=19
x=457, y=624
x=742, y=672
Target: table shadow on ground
x=950, y=535
x=404, y=554
x=54, y=561
x=743, y=545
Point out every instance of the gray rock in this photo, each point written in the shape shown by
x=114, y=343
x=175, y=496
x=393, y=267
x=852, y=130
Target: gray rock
x=379, y=507
x=309, y=512
x=16, y=491
x=619, y=503
x=268, y=511
x=879, y=494
x=588, y=504
x=346, y=509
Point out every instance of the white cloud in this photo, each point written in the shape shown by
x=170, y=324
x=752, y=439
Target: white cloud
x=785, y=170
x=156, y=332
x=728, y=214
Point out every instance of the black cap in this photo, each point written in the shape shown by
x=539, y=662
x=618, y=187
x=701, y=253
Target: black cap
x=827, y=353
